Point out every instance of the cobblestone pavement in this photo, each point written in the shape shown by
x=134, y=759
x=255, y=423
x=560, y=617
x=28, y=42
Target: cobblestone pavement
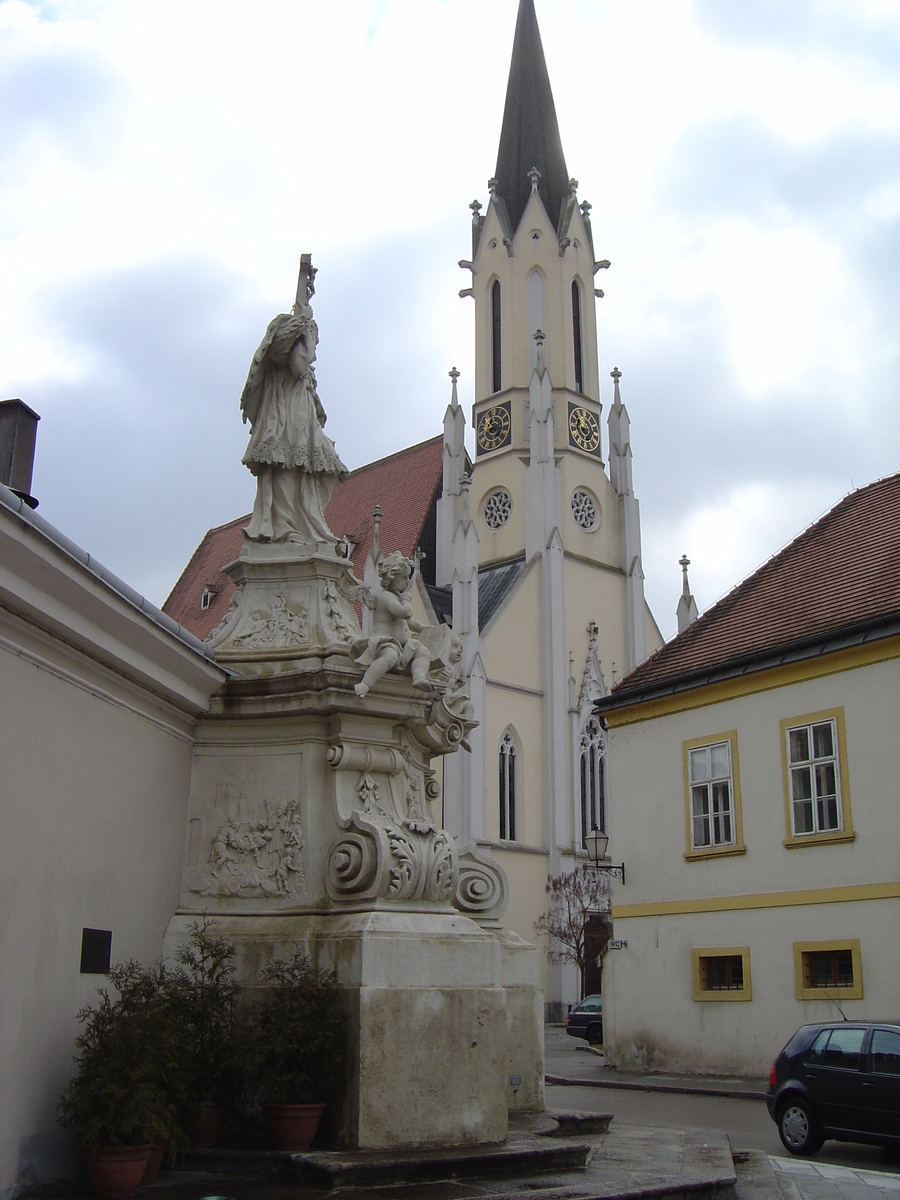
x=804, y=1179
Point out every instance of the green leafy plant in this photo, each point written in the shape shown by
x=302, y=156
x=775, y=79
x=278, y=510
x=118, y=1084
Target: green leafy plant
x=129, y=1053
x=297, y=1032
x=205, y=999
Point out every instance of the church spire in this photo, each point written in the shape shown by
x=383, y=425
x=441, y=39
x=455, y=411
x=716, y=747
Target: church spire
x=530, y=134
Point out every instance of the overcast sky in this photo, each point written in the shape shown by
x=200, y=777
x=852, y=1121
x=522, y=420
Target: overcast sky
x=163, y=163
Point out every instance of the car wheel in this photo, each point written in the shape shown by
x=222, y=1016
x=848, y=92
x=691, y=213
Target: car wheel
x=595, y=1035
x=798, y=1128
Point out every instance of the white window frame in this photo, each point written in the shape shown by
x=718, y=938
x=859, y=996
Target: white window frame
x=508, y=760
x=717, y=844
x=813, y=766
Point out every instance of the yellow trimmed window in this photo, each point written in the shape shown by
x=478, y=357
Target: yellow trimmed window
x=817, y=797
x=712, y=796
x=828, y=970
x=722, y=973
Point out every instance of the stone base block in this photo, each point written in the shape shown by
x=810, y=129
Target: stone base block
x=426, y=1053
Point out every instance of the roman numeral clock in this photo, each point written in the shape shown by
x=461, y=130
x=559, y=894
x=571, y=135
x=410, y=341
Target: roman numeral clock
x=494, y=428
x=584, y=429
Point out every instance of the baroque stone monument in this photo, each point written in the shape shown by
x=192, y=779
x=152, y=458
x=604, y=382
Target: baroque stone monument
x=312, y=790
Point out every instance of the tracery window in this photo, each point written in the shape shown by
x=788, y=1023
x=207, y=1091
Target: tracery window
x=509, y=787
x=497, y=508
x=593, y=779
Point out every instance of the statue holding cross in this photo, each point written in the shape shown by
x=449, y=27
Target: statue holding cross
x=295, y=463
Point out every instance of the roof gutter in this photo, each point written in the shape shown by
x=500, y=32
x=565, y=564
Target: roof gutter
x=875, y=629
x=14, y=503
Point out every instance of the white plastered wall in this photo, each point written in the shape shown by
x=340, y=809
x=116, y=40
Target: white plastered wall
x=95, y=780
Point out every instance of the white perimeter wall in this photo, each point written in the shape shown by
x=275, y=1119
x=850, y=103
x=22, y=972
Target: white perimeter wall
x=94, y=781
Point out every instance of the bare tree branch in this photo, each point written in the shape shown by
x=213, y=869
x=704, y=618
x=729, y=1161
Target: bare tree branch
x=575, y=902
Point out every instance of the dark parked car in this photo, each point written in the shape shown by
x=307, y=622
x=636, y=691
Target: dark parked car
x=586, y=1021
x=840, y=1080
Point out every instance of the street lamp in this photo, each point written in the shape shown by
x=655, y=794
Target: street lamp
x=597, y=843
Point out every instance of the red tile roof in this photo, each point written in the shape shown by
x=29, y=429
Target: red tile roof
x=404, y=485
x=841, y=572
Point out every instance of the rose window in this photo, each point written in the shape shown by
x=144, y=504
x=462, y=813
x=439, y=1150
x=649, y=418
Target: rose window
x=497, y=508
x=584, y=510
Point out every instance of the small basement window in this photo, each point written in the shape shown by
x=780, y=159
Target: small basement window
x=722, y=974
x=824, y=970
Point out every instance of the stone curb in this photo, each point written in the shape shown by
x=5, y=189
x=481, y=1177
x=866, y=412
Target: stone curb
x=681, y=1089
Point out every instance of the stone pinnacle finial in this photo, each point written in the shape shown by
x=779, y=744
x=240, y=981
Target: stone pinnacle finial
x=476, y=209
x=535, y=176
x=493, y=184
x=377, y=515
x=615, y=374
x=540, y=359
x=684, y=562
x=585, y=207
x=454, y=399
x=686, y=611
x=593, y=629
x=573, y=186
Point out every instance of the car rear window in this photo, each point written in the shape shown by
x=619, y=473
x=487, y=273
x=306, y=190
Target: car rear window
x=589, y=1006
x=838, y=1047
x=885, y=1052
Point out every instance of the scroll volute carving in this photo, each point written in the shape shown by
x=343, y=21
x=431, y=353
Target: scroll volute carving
x=390, y=848
x=482, y=889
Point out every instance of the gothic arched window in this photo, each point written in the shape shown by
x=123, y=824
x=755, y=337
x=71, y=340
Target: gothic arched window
x=496, y=378
x=509, y=787
x=535, y=310
x=593, y=779
x=576, y=336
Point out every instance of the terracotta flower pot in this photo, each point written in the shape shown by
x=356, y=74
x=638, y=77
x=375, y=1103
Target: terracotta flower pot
x=115, y=1173
x=292, y=1126
x=154, y=1162
x=204, y=1123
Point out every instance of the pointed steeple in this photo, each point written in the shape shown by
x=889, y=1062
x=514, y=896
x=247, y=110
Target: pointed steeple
x=530, y=134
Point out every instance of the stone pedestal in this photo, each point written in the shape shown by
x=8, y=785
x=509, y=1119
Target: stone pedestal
x=310, y=821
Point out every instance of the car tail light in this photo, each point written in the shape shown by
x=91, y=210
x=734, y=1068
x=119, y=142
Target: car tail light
x=773, y=1077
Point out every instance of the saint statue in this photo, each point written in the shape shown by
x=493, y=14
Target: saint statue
x=295, y=463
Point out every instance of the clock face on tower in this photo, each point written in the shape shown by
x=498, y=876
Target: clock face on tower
x=492, y=430
x=584, y=429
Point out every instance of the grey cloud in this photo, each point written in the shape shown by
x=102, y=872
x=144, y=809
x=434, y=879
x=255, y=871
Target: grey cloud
x=739, y=166
x=695, y=432
x=72, y=98
x=138, y=459
x=807, y=27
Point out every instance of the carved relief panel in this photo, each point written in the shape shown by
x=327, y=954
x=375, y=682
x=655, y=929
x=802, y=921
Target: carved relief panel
x=246, y=837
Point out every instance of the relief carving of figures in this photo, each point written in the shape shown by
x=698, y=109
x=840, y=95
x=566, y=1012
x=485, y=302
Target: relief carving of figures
x=295, y=463
x=257, y=853
x=284, y=626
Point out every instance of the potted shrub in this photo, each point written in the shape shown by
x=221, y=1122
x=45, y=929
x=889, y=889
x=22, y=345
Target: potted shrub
x=297, y=1035
x=204, y=996
x=119, y=1101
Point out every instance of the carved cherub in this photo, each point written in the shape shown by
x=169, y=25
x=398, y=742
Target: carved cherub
x=456, y=698
x=392, y=645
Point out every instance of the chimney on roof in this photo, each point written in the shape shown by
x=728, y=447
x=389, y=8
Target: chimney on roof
x=18, y=434
x=686, y=612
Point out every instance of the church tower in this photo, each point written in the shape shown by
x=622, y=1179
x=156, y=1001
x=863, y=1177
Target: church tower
x=559, y=577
